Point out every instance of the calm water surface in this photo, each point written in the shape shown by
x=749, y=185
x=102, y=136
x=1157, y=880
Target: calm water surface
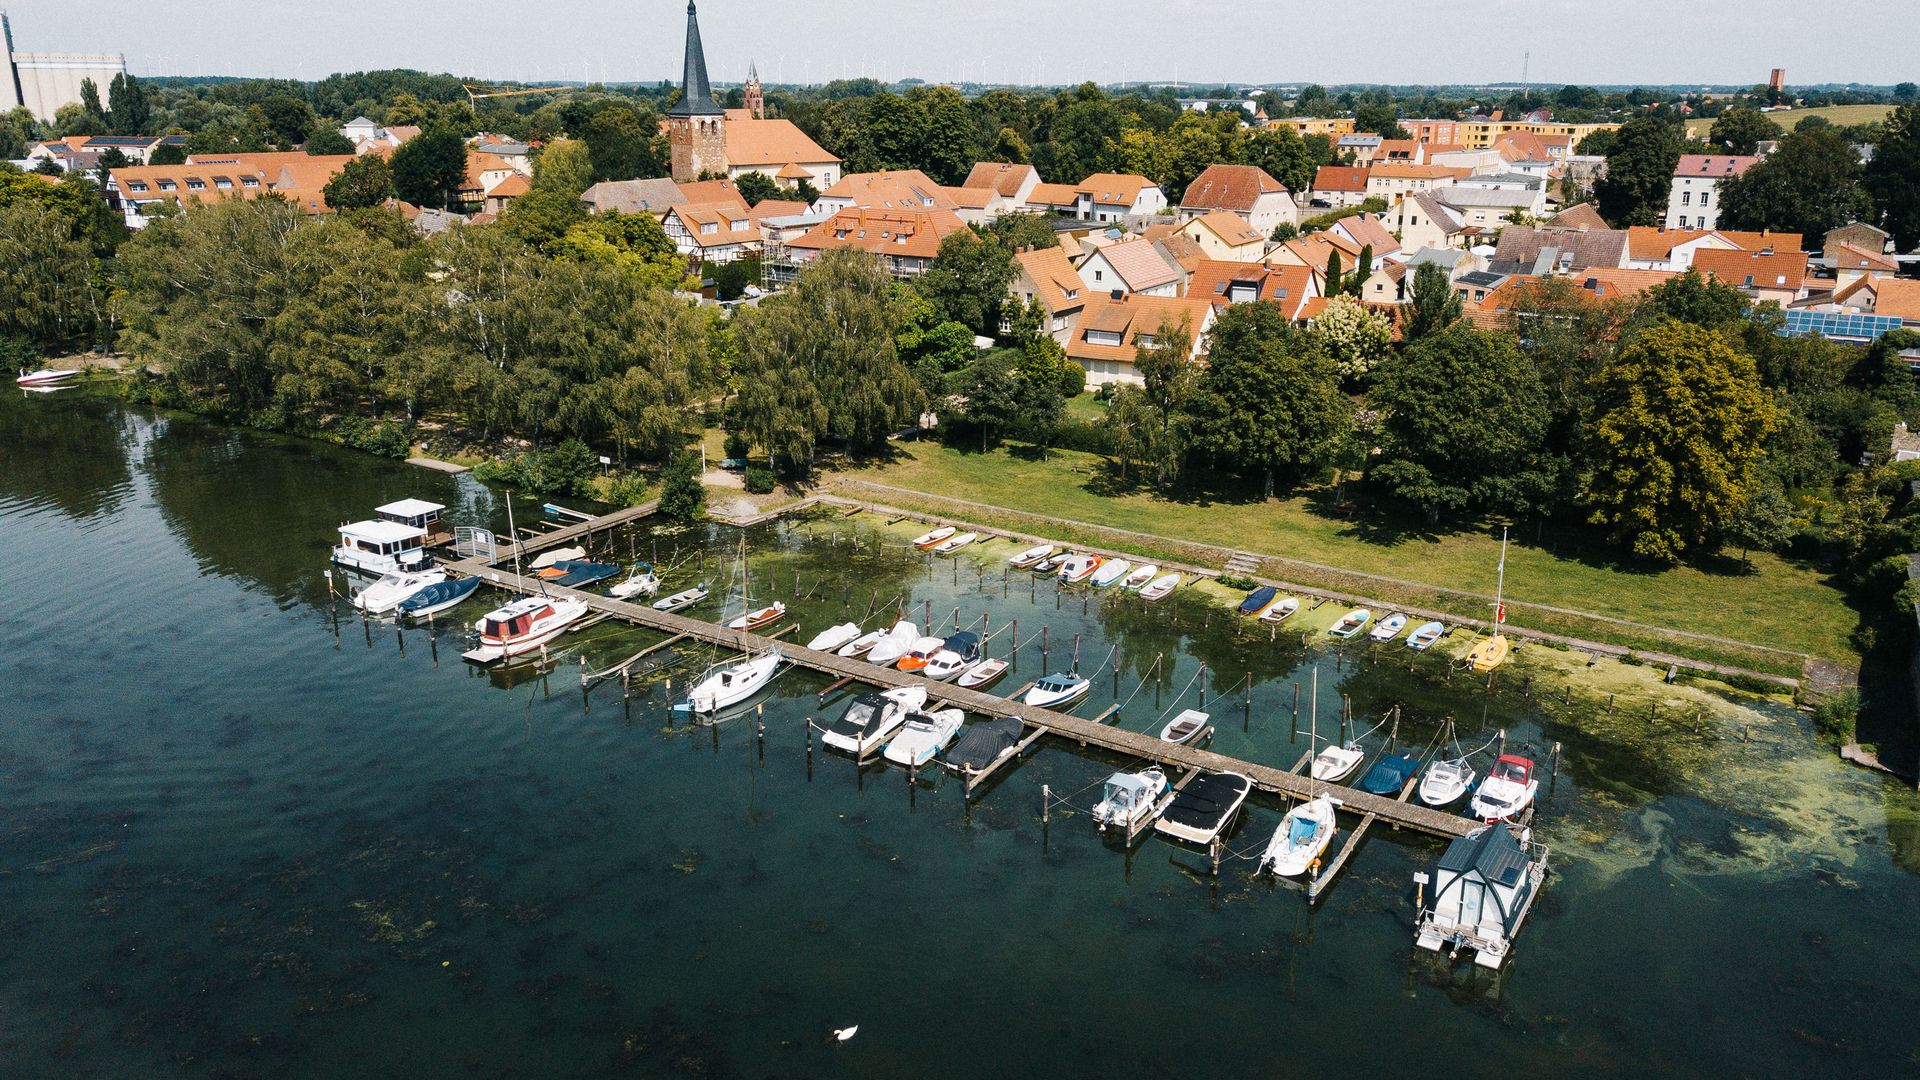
x=239, y=837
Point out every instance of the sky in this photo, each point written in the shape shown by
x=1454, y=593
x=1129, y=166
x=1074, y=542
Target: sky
x=1021, y=41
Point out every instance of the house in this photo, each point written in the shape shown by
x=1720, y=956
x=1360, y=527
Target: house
x=1131, y=266
x=1222, y=283
x=1846, y=262
x=1402, y=152
x=1467, y=159
x=517, y=155
x=1338, y=185
x=1543, y=250
x=1333, y=127
x=1314, y=251
x=1045, y=276
x=484, y=173
x=1691, y=200
x=1488, y=208
x=1779, y=277
x=1860, y=236
x=712, y=232
x=1430, y=132
x=899, y=189
x=1895, y=297
x=1475, y=286
x=1649, y=248
x=1394, y=182
x=368, y=137
x=506, y=191
x=1366, y=232
x=1101, y=197
x=907, y=241
x=1245, y=190
x=1225, y=235
x=133, y=189
x=1362, y=147
x=1426, y=221
x=1573, y=217
x=1111, y=329
x=654, y=197
x=84, y=151
x=1008, y=186
x=1609, y=283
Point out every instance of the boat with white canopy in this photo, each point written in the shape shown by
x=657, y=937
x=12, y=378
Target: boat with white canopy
x=1129, y=798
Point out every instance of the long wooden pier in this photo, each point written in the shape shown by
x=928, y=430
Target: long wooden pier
x=1086, y=732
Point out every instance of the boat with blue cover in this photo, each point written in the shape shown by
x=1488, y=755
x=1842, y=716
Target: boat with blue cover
x=1257, y=600
x=437, y=598
x=577, y=573
x=1390, y=774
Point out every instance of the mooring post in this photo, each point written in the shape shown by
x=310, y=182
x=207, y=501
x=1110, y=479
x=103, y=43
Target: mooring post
x=1046, y=799
x=1016, y=636
x=1043, y=646
x=669, y=703
x=1076, y=654
x=368, y=628
x=956, y=620
x=1609, y=704
x=1214, y=847
x=926, y=612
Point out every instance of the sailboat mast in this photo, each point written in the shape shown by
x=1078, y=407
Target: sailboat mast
x=1313, y=725
x=513, y=533
x=1500, y=585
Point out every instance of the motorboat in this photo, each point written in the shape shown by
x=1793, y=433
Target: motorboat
x=1481, y=890
x=1337, y=762
x=863, y=644
x=871, y=718
x=579, y=573
x=895, y=645
x=1052, y=563
x=759, y=617
x=1489, y=653
x=523, y=626
x=1390, y=774
x=984, y=743
x=1079, y=568
x=382, y=547
x=982, y=674
x=923, y=736
x=1388, y=628
x=1184, y=728
x=1110, y=571
x=833, y=637
x=435, y=599
x=934, y=537
x=1446, y=781
x=685, y=598
x=1258, y=600
x=1032, y=556
x=1425, y=635
x=386, y=594
x=734, y=683
x=1508, y=789
x=919, y=653
x=1159, y=587
x=1130, y=798
x=44, y=377
x=1351, y=623
x=1139, y=576
x=1303, y=836
x=954, y=656
x=954, y=543
x=548, y=558
x=1057, y=690
x=1205, y=807
x=641, y=581
x=1280, y=610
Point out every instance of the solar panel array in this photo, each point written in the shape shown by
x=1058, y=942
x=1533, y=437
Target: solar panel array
x=1838, y=324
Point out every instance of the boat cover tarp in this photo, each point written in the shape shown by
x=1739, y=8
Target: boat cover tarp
x=439, y=593
x=1206, y=800
x=581, y=572
x=1390, y=774
x=1257, y=599
x=985, y=741
x=862, y=717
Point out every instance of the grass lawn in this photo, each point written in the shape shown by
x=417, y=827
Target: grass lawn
x=1781, y=603
x=1843, y=115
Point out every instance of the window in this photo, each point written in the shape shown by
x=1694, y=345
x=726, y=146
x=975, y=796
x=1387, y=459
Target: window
x=1686, y=198
x=1071, y=293
x=1102, y=337
x=136, y=185
x=168, y=185
x=708, y=228
x=248, y=181
x=1145, y=341
x=1705, y=197
x=1097, y=275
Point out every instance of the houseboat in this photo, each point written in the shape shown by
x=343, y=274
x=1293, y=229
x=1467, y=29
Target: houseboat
x=420, y=514
x=379, y=548
x=1480, y=892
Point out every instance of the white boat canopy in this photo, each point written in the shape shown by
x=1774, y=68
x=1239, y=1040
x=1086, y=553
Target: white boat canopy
x=408, y=508
x=382, y=532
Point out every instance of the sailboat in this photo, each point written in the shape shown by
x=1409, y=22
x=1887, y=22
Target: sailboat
x=1491, y=652
x=1304, y=834
x=753, y=618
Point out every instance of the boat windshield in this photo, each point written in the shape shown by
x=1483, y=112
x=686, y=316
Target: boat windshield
x=856, y=718
x=1511, y=770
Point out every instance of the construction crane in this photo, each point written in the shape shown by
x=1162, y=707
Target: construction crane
x=475, y=93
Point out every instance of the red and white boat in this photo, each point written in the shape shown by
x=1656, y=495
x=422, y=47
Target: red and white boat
x=44, y=377
x=759, y=617
x=523, y=626
x=922, y=651
x=1079, y=568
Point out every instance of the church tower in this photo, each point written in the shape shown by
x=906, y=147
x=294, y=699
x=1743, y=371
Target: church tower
x=697, y=126
x=755, y=101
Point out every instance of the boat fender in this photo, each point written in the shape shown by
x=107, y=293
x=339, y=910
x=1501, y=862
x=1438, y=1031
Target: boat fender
x=1313, y=868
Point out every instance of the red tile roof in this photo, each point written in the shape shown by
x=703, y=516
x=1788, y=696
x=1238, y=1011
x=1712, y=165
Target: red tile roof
x=1783, y=270
x=1230, y=187
x=1340, y=178
x=1713, y=165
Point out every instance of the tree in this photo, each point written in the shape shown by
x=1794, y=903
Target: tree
x=1463, y=426
x=168, y=154
x=1356, y=339
x=131, y=111
x=361, y=183
x=1764, y=522
x=1810, y=184
x=968, y=282
x=286, y=119
x=1269, y=401
x=430, y=168
x=1435, y=304
x=1164, y=360
x=1639, y=172
x=50, y=292
x=946, y=148
x=1679, y=425
x=326, y=140
x=1893, y=176
x=1133, y=429
x=620, y=143
x=1283, y=154
x=633, y=244
x=756, y=188
x=92, y=114
x=1694, y=298
x=932, y=348
x=730, y=279
x=564, y=167
x=1740, y=130
x=681, y=495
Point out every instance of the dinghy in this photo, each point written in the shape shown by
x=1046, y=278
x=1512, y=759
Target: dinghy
x=955, y=655
x=1258, y=600
x=954, y=543
x=982, y=674
x=641, y=581
x=1159, y=587
x=923, y=736
x=733, y=684
x=1446, y=781
x=1303, y=836
x=1205, y=807
x=984, y=743
x=1488, y=653
x=1281, y=610
x=547, y=559
x=933, y=537
x=1184, y=728
x=686, y=598
x=759, y=617
x=386, y=594
x=43, y=378
x=1079, y=568
x=1508, y=789
x=863, y=644
x=1351, y=623
x=523, y=626
x=1336, y=763
x=1389, y=627
x=435, y=599
x=1057, y=690
x=1110, y=571
x=833, y=637
x=1139, y=577
x=1033, y=556
x=1425, y=635
x=1390, y=774
x=1052, y=562
x=919, y=653
x=871, y=718
x=1129, y=798
x=895, y=645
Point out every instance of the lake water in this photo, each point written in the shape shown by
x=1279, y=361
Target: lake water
x=241, y=836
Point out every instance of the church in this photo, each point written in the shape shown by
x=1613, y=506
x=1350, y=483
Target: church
x=711, y=141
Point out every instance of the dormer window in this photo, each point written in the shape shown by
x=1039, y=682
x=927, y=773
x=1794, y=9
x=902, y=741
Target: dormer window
x=168, y=185
x=1103, y=337
x=136, y=185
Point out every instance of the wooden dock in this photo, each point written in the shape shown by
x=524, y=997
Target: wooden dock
x=1133, y=744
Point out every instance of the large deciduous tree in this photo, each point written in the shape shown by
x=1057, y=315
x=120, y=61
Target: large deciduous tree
x=1639, y=172
x=1356, y=339
x=1435, y=305
x=564, y=166
x=968, y=282
x=1810, y=184
x=1893, y=177
x=1740, y=130
x=361, y=183
x=430, y=168
x=1269, y=401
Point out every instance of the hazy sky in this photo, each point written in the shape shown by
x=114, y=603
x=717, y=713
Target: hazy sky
x=1615, y=41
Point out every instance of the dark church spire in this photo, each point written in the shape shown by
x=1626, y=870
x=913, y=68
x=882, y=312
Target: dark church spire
x=696, y=96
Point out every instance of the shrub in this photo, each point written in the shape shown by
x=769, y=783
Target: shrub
x=737, y=445
x=1835, y=716
x=568, y=469
x=681, y=495
x=628, y=489
x=759, y=480
x=1233, y=582
x=390, y=439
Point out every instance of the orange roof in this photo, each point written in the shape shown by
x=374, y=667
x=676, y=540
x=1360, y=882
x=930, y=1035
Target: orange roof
x=1608, y=281
x=1713, y=166
x=1760, y=241
x=1397, y=149
x=898, y=189
x=1365, y=229
x=1656, y=244
x=1312, y=250
x=767, y=208
x=1339, y=178
x=731, y=223
x=1129, y=317
x=1115, y=189
x=1140, y=265
x=1230, y=187
x=1214, y=280
x=1229, y=226
x=710, y=191
x=771, y=142
x=1573, y=217
x=1897, y=296
x=1848, y=257
x=967, y=198
x=1400, y=170
x=512, y=186
x=1783, y=270
x=908, y=233
x=1055, y=281
x=1053, y=195
x=792, y=171
x=1522, y=146
x=145, y=183
x=1002, y=178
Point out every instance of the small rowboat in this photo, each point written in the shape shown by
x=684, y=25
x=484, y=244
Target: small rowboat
x=686, y=598
x=929, y=539
x=1489, y=653
x=1389, y=627
x=982, y=674
x=1141, y=575
x=954, y=543
x=1281, y=610
x=1052, y=562
x=1110, y=571
x=754, y=620
x=1184, y=728
x=1425, y=635
x=1351, y=623
x=1030, y=557
x=1079, y=568
x=1258, y=600
x=1160, y=587
x=863, y=644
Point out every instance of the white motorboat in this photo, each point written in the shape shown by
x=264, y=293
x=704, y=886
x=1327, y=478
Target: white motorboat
x=1129, y=798
x=384, y=595
x=759, y=617
x=1057, y=690
x=1482, y=888
x=1303, y=836
x=1109, y=572
x=546, y=559
x=523, y=626
x=1139, y=576
x=871, y=718
x=435, y=599
x=1508, y=789
x=933, y=537
x=1446, y=781
x=381, y=547
x=834, y=637
x=1079, y=568
x=1389, y=627
x=1351, y=623
x=1280, y=610
x=1030, y=557
x=1184, y=728
x=641, y=581
x=863, y=644
x=1052, y=563
x=955, y=655
x=1337, y=762
x=982, y=674
x=685, y=598
x=44, y=377
x=1160, y=587
x=954, y=543
x=919, y=653
x=923, y=736
x=984, y=743
x=1425, y=635
x=1205, y=807
x=895, y=645
x=733, y=684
